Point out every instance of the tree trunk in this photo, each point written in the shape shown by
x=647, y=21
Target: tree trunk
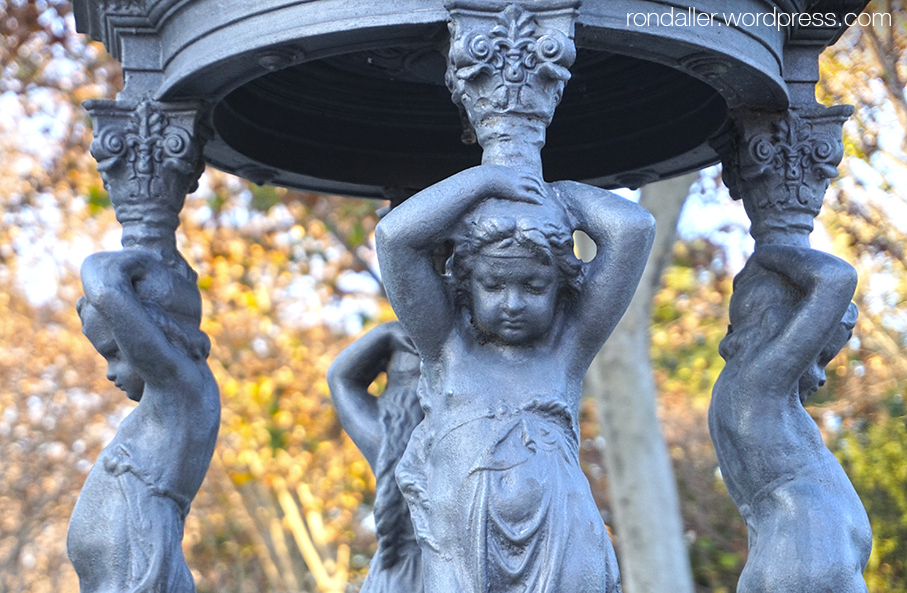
x=652, y=552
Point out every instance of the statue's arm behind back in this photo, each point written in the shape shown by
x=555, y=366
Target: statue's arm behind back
x=349, y=377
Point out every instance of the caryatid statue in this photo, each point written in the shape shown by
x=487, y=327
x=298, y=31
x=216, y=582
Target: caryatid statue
x=508, y=325
x=381, y=427
x=790, y=314
x=141, y=311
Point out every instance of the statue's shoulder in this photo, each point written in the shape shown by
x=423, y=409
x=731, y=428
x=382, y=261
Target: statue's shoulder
x=584, y=191
x=577, y=188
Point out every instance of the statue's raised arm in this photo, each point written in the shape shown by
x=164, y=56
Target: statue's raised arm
x=409, y=235
x=381, y=427
x=792, y=298
x=354, y=370
x=623, y=232
x=111, y=281
x=142, y=316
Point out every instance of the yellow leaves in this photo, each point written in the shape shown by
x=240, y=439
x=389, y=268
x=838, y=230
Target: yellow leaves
x=283, y=419
x=263, y=391
x=358, y=467
x=236, y=249
x=262, y=298
x=316, y=229
x=241, y=478
x=251, y=459
x=83, y=93
x=283, y=375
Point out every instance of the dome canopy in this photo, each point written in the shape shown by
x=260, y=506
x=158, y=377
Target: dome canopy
x=348, y=96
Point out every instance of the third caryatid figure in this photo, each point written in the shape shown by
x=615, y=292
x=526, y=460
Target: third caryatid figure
x=141, y=311
x=507, y=327
x=790, y=315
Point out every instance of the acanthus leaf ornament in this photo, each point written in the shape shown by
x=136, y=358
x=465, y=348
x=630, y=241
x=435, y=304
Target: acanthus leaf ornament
x=509, y=63
x=150, y=156
x=781, y=165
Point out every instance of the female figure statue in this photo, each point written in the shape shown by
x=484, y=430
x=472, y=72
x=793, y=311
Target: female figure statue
x=506, y=332
x=127, y=526
x=381, y=427
x=790, y=315
x=508, y=325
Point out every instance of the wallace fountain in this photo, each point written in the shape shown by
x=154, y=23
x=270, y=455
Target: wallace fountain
x=495, y=129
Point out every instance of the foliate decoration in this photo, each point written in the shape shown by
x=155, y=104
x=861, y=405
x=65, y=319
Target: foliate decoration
x=507, y=60
x=149, y=156
x=781, y=165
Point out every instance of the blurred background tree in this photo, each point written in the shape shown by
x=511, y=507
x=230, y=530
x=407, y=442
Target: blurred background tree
x=289, y=278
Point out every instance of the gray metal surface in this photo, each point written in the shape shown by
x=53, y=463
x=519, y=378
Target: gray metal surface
x=790, y=314
x=141, y=311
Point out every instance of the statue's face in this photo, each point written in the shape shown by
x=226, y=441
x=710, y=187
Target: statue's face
x=514, y=295
x=119, y=370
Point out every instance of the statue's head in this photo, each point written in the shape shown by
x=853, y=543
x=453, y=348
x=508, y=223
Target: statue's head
x=512, y=265
x=173, y=303
x=762, y=304
x=119, y=370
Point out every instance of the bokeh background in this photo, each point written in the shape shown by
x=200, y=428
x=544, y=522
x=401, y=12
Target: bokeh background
x=289, y=278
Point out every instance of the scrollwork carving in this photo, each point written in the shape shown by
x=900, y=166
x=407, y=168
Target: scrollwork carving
x=150, y=156
x=509, y=62
x=780, y=166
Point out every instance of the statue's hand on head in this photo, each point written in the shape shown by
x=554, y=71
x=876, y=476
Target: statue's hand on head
x=115, y=269
x=513, y=184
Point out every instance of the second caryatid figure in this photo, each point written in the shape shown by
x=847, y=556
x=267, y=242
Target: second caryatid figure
x=507, y=326
x=141, y=311
x=790, y=314
x=381, y=428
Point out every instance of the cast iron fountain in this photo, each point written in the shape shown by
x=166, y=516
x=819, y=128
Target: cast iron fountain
x=354, y=97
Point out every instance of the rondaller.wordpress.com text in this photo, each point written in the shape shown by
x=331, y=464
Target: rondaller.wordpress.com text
x=776, y=19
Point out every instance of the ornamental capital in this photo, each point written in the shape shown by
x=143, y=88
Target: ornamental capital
x=509, y=61
x=150, y=156
x=780, y=166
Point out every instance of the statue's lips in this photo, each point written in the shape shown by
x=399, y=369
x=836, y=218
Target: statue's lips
x=513, y=324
